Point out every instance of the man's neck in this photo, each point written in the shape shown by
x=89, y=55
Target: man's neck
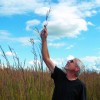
x=71, y=76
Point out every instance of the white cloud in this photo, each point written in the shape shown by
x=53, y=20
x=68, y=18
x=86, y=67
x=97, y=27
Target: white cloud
x=92, y=63
x=31, y=24
x=56, y=45
x=89, y=13
x=67, y=18
x=96, y=69
x=23, y=40
x=70, y=57
x=8, y=53
x=5, y=35
x=91, y=59
x=65, y=21
x=89, y=23
x=69, y=47
x=32, y=62
x=58, y=61
x=97, y=2
x=93, y=68
x=41, y=10
x=11, y=7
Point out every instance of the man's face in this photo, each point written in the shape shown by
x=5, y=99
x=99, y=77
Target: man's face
x=71, y=65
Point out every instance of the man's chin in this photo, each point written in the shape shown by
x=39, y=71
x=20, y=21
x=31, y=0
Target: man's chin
x=66, y=68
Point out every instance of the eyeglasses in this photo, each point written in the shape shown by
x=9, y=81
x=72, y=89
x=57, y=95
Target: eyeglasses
x=71, y=61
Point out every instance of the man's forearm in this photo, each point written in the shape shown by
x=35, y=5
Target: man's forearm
x=45, y=53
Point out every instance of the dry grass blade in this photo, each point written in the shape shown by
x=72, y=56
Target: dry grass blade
x=47, y=16
x=37, y=30
x=5, y=57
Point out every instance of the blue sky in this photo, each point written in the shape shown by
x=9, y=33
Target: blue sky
x=73, y=29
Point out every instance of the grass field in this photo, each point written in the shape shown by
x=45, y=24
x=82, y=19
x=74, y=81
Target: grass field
x=33, y=83
x=28, y=84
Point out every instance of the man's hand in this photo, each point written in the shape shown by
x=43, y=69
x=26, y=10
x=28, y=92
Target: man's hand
x=44, y=33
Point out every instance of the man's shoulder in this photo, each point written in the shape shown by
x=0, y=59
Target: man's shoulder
x=58, y=72
x=57, y=69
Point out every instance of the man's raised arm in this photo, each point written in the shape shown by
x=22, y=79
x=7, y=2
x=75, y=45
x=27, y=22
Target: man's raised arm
x=45, y=53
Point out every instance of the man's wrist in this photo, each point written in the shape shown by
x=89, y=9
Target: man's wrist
x=44, y=39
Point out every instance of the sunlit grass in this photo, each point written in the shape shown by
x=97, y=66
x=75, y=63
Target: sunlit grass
x=33, y=83
x=17, y=84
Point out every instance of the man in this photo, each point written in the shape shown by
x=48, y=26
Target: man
x=67, y=84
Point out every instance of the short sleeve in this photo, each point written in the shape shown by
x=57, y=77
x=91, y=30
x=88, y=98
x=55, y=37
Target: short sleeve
x=58, y=74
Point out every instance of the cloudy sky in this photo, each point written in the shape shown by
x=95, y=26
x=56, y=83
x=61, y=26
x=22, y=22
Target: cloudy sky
x=73, y=27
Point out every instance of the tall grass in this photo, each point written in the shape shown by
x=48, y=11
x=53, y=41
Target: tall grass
x=28, y=84
x=18, y=83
